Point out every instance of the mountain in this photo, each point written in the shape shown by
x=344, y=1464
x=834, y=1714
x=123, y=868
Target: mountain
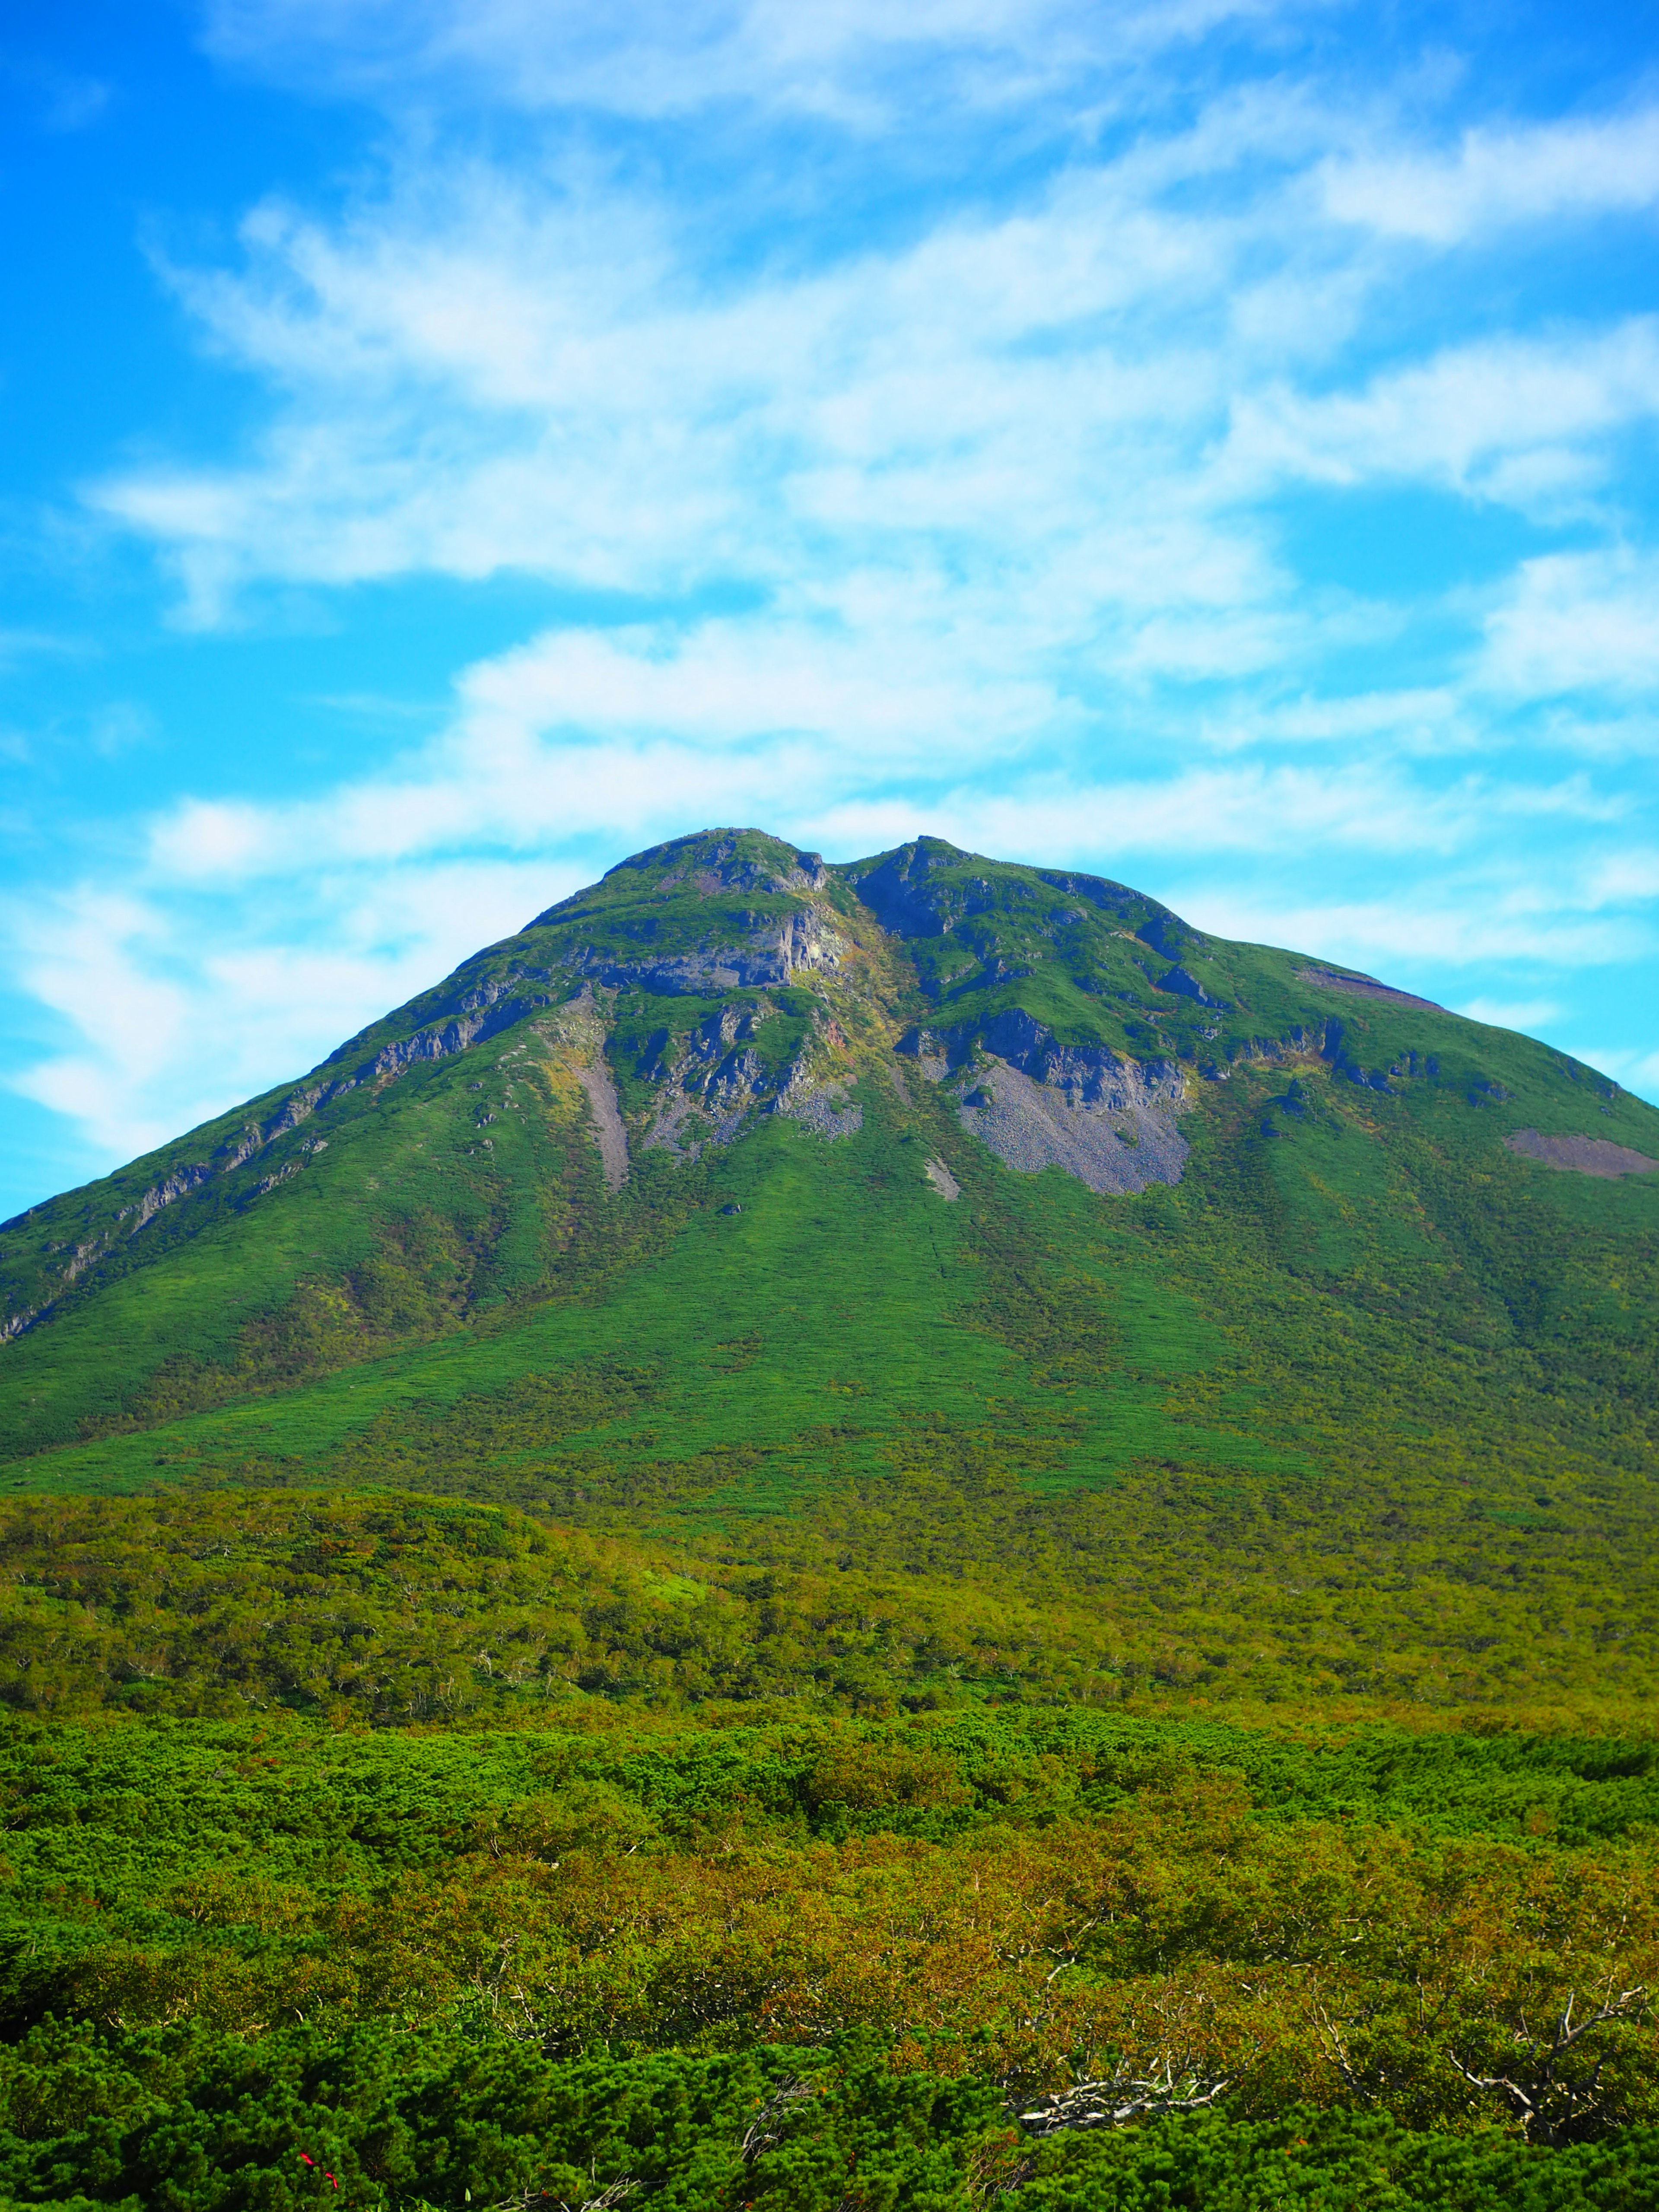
x=742, y=1193
x=841, y=1537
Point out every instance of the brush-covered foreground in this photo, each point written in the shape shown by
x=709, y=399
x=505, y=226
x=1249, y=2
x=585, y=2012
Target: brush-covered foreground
x=404, y=1852
x=805, y=1509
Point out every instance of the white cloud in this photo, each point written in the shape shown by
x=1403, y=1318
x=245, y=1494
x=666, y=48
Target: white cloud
x=178, y=1010
x=1576, y=622
x=1623, y=878
x=885, y=693
x=1495, y=178
x=1523, y=421
x=506, y=380
x=1072, y=405
x=1637, y=1070
x=578, y=735
x=1422, y=722
x=665, y=57
x=633, y=734
x=1425, y=935
x=1606, y=730
x=1511, y=1014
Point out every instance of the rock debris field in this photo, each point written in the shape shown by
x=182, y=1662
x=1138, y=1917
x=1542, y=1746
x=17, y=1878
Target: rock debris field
x=1030, y=1126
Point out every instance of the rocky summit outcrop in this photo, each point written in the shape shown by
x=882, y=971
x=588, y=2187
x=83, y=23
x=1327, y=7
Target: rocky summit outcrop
x=772, y=952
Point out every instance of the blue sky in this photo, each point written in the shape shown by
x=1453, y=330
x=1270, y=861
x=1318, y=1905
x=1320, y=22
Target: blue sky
x=450, y=444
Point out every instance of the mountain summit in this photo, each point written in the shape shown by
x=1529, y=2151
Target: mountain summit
x=741, y=1181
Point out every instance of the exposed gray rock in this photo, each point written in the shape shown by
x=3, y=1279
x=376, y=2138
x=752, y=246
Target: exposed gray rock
x=484, y=1011
x=1113, y=1148
x=686, y=1125
x=1591, y=1156
x=816, y=1105
x=270, y=1183
x=942, y=1179
x=440, y=1040
x=725, y=1123
x=241, y=1147
x=664, y=1134
x=612, y=1136
x=716, y=1079
x=1090, y=1075
x=177, y=1185
x=777, y=949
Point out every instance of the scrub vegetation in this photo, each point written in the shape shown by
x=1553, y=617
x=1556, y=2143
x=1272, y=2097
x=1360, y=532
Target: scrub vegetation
x=771, y=1685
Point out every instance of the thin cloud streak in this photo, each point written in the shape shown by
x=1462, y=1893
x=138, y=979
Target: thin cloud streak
x=848, y=60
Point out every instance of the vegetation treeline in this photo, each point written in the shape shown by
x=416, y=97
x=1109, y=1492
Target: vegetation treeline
x=397, y=1609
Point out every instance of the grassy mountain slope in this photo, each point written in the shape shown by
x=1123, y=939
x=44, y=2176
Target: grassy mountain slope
x=1360, y=1347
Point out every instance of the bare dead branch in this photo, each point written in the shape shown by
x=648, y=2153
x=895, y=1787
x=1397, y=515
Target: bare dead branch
x=764, y=2130
x=1125, y=2096
x=530, y=2200
x=1539, y=2096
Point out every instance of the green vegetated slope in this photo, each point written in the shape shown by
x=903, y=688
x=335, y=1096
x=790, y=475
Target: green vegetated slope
x=1362, y=1378
x=614, y=1598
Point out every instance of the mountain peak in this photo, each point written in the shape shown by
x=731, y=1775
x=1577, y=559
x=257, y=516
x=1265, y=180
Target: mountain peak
x=712, y=861
x=688, y=1024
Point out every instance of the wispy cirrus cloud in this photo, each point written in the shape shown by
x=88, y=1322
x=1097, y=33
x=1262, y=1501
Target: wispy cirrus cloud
x=1577, y=622
x=846, y=59
x=171, y=1012
x=538, y=384
x=1495, y=176
x=1524, y=421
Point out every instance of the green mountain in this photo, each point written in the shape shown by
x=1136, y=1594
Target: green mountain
x=744, y=1200
x=838, y=1539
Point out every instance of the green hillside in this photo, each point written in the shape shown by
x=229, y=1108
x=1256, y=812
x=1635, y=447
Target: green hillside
x=544, y=1563
x=1358, y=1325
